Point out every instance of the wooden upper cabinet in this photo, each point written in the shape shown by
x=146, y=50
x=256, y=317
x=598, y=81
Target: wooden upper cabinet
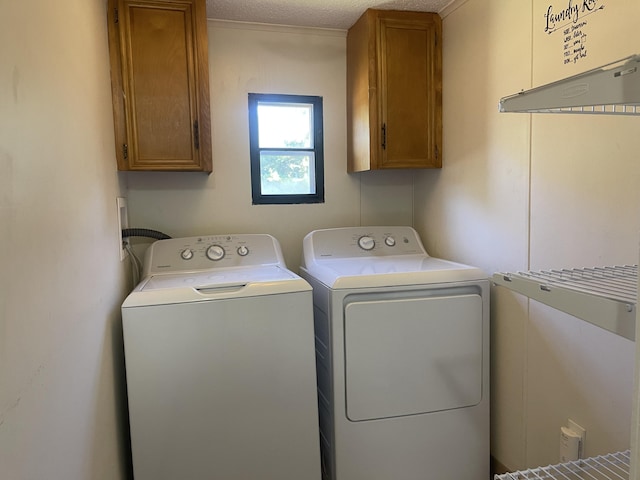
x=160, y=84
x=394, y=91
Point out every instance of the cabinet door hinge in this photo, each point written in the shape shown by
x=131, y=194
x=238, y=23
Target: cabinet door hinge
x=196, y=135
x=115, y=15
x=384, y=136
x=125, y=151
x=437, y=153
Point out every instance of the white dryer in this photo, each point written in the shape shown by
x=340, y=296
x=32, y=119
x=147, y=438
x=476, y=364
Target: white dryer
x=402, y=352
x=220, y=364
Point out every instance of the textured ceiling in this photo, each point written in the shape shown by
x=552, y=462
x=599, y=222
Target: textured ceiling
x=339, y=14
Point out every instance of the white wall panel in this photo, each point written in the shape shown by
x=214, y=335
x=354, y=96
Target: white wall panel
x=62, y=401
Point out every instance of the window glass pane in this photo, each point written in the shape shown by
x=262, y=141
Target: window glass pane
x=287, y=173
x=286, y=149
x=283, y=125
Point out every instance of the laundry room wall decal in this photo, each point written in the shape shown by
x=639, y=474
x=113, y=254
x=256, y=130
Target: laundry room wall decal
x=570, y=23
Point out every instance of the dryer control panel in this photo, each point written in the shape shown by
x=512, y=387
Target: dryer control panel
x=212, y=251
x=358, y=242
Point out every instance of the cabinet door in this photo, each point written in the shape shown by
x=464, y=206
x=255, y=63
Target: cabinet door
x=410, y=102
x=160, y=84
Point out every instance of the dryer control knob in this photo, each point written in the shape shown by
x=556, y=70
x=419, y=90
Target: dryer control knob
x=390, y=241
x=215, y=253
x=243, y=251
x=366, y=242
x=186, y=254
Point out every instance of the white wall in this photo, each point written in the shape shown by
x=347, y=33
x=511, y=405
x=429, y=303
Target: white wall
x=257, y=58
x=475, y=209
x=61, y=280
x=530, y=192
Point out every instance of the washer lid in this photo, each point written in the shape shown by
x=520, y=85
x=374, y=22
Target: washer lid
x=219, y=284
x=217, y=278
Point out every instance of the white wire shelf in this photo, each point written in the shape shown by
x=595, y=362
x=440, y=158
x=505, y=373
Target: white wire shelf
x=613, y=466
x=611, y=89
x=593, y=109
x=603, y=296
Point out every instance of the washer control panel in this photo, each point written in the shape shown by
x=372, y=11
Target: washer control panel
x=212, y=251
x=354, y=242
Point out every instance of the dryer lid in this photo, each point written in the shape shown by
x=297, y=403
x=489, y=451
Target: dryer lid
x=357, y=257
x=390, y=271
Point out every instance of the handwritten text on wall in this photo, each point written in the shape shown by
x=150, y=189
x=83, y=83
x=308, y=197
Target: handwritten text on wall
x=570, y=22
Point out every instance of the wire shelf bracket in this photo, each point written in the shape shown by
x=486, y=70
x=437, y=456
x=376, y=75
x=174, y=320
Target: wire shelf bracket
x=602, y=296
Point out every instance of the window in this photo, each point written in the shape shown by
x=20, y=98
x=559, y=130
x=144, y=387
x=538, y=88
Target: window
x=285, y=133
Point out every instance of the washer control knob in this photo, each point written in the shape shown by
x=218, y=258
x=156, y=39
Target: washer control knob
x=215, y=253
x=243, y=251
x=390, y=241
x=186, y=254
x=366, y=242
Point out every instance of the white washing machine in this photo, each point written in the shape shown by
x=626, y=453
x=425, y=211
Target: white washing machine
x=402, y=353
x=220, y=363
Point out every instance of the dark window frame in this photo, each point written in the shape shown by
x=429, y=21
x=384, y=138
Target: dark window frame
x=254, y=149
